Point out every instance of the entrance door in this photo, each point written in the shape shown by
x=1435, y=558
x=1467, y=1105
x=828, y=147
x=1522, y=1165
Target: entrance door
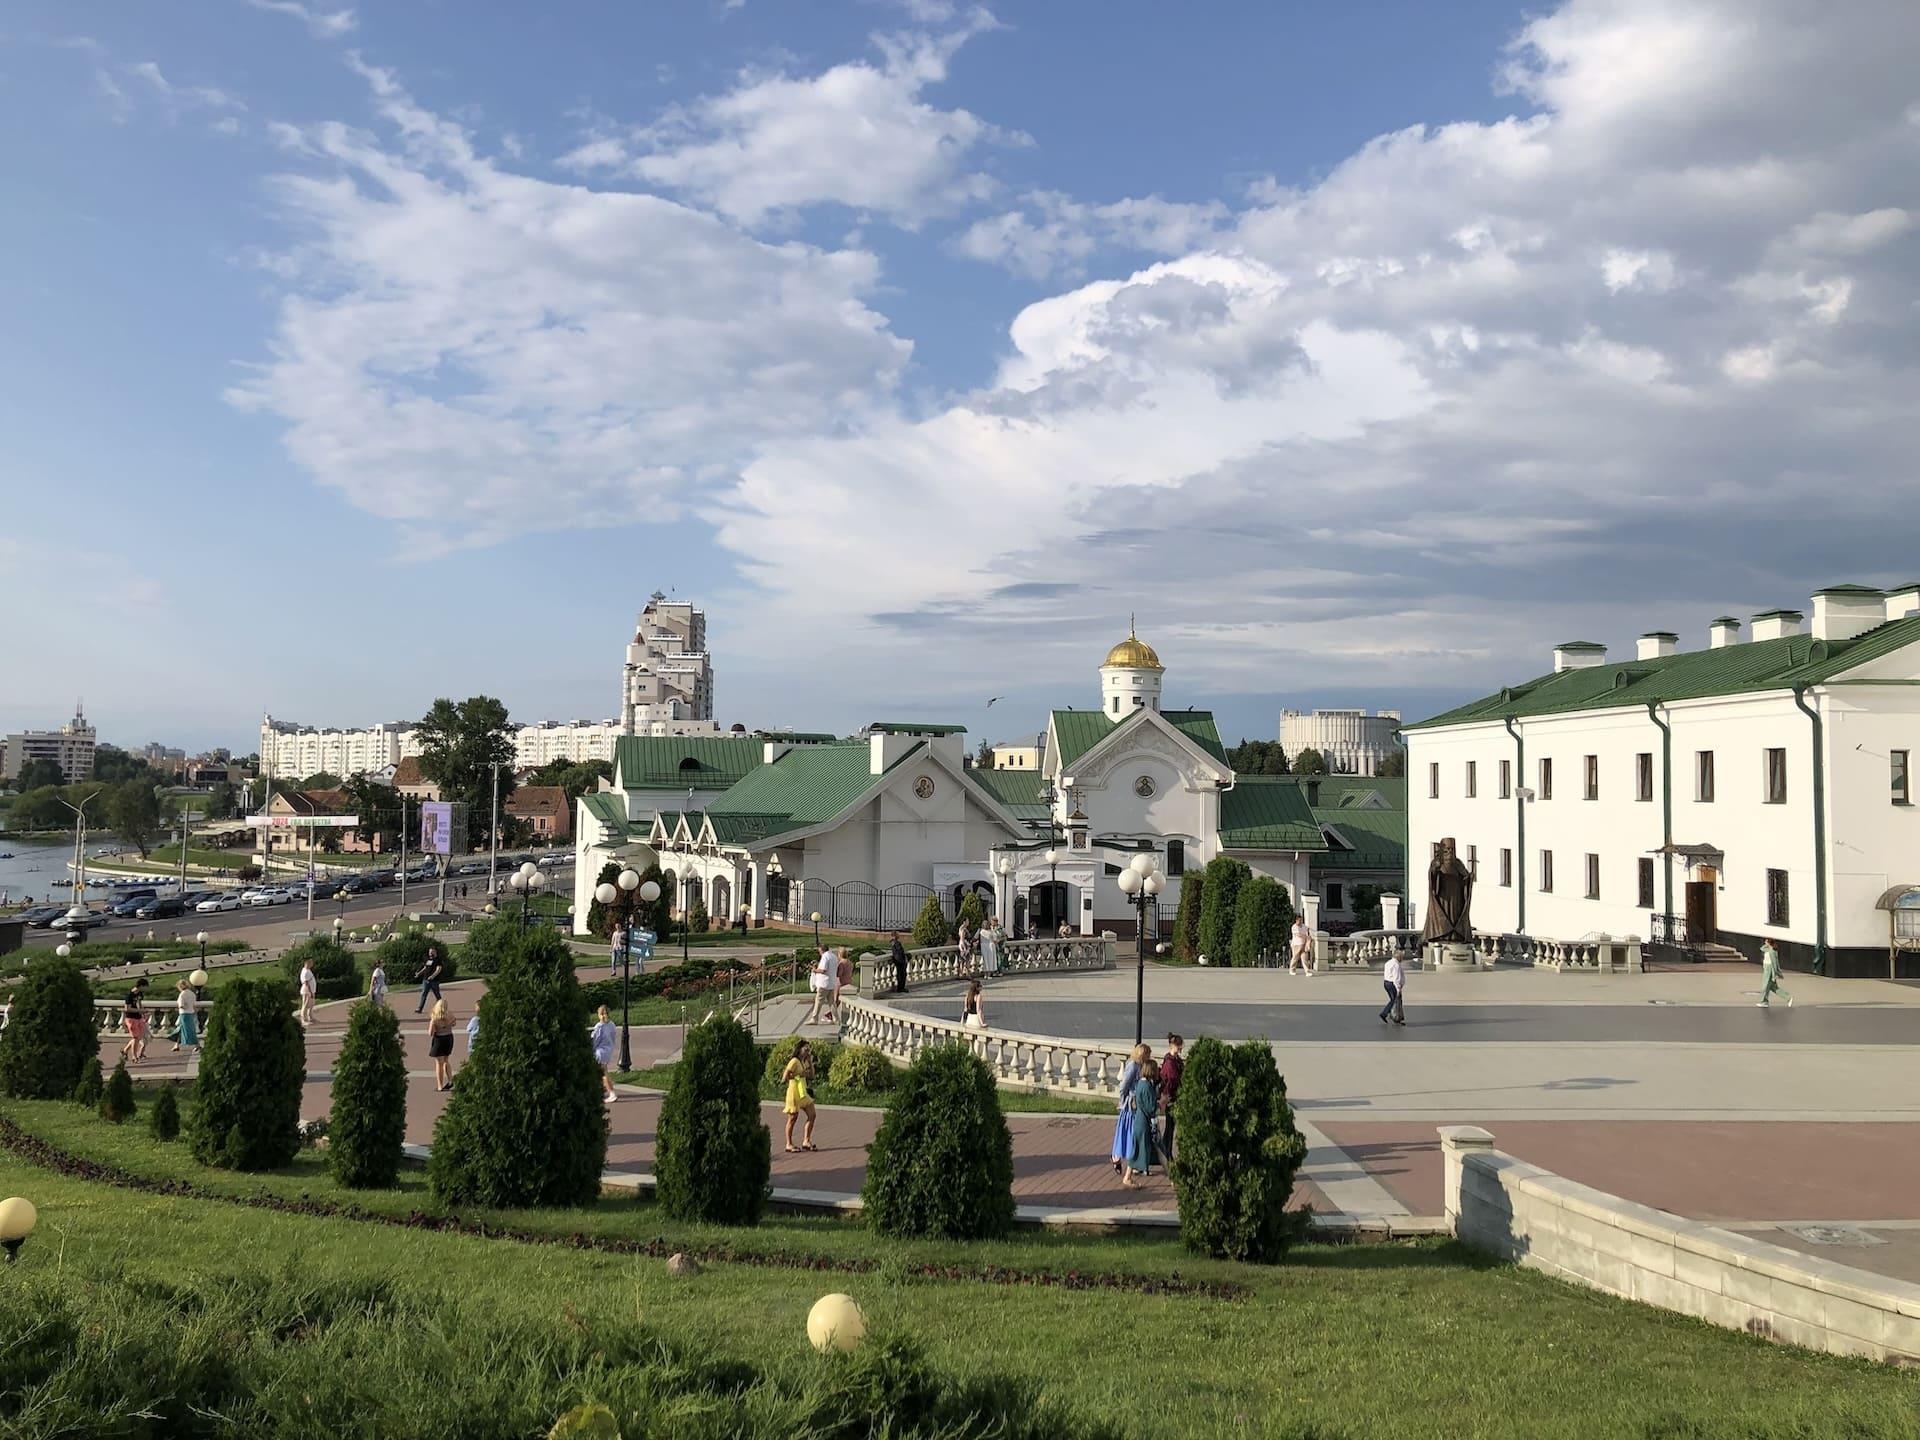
x=1049, y=908
x=1702, y=913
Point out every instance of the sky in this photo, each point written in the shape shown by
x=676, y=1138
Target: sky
x=352, y=356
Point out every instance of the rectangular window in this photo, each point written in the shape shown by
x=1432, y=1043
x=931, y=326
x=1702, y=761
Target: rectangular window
x=1176, y=857
x=1473, y=861
x=1646, y=883
x=1703, y=777
x=1546, y=872
x=1433, y=781
x=1506, y=867
x=1776, y=777
x=1643, y=775
x=1546, y=779
x=1473, y=778
x=1593, y=877
x=1776, y=897
x=1506, y=779
x=1899, y=772
x=1593, y=777
x=1334, y=897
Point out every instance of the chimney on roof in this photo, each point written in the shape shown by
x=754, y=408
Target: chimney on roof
x=1723, y=632
x=1777, y=624
x=1841, y=612
x=1578, y=655
x=1902, y=601
x=1657, y=645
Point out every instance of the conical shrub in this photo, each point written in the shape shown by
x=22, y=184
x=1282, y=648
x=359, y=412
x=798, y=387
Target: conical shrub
x=253, y=1064
x=51, y=1034
x=164, y=1119
x=942, y=1164
x=91, y=1085
x=714, y=1155
x=117, y=1103
x=1239, y=1150
x=368, y=1122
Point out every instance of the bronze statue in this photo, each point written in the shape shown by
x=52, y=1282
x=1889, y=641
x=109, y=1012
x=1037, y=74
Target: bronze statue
x=1449, y=898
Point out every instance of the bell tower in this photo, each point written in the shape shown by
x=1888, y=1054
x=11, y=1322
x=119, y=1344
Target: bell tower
x=1130, y=678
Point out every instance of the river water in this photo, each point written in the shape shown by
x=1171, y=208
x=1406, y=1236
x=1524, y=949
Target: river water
x=41, y=870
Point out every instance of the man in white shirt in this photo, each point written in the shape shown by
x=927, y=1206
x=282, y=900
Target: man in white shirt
x=1301, y=945
x=823, y=982
x=1395, y=979
x=309, y=990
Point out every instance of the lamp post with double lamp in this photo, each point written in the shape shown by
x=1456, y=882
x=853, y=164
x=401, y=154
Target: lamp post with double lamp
x=1140, y=882
x=529, y=880
x=623, y=891
x=1005, y=902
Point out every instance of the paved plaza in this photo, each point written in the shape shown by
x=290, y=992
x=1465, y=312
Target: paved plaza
x=1670, y=1089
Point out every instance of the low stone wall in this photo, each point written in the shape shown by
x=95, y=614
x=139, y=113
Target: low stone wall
x=936, y=963
x=1019, y=1061
x=1545, y=1222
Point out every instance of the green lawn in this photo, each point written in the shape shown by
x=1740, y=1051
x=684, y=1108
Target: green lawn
x=1394, y=1341
x=660, y=1077
x=161, y=983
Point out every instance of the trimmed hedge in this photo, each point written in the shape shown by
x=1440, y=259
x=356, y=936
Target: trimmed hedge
x=1220, y=886
x=367, y=1125
x=1186, y=922
x=336, y=975
x=253, y=1063
x=942, y=1164
x=405, y=953
x=1234, y=1167
x=117, y=1103
x=714, y=1156
x=525, y=1125
x=930, y=927
x=824, y=1054
x=51, y=1036
x=862, y=1067
x=1262, y=921
x=91, y=1085
x=164, y=1119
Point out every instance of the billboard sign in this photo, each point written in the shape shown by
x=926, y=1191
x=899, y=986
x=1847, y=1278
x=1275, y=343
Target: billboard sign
x=303, y=822
x=436, y=827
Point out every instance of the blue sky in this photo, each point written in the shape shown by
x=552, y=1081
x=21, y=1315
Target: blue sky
x=351, y=357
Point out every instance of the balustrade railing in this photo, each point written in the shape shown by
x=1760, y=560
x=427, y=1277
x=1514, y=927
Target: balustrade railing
x=936, y=963
x=1366, y=948
x=1019, y=1061
x=1597, y=953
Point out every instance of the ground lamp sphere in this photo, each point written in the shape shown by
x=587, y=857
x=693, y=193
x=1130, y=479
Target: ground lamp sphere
x=198, y=979
x=17, y=1217
x=815, y=918
x=605, y=893
x=650, y=891
x=835, y=1323
x=63, y=950
x=201, y=938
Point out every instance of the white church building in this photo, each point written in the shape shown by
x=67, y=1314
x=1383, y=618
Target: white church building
x=862, y=831
x=1759, y=788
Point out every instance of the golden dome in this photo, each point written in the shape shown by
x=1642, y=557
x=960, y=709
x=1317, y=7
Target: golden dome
x=1133, y=653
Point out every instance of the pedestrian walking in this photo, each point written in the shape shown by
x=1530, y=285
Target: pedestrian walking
x=898, y=954
x=1770, y=976
x=1300, y=947
x=473, y=1032
x=618, y=944
x=1395, y=979
x=603, y=1036
x=440, y=1045
x=1171, y=1068
x=429, y=977
x=1123, y=1122
x=187, y=1033
x=799, y=1079
x=973, y=1014
x=990, y=948
x=826, y=973
x=309, y=991
x=842, y=980
x=1145, y=1101
x=133, y=1016
x=377, y=983
x=963, y=942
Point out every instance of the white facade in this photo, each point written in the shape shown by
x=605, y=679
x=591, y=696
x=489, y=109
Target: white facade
x=292, y=752
x=70, y=747
x=668, y=677
x=1352, y=741
x=1016, y=757
x=1741, y=853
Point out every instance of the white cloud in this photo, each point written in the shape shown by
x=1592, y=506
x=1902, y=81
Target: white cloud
x=859, y=135
x=1637, y=270
x=1053, y=232
x=182, y=97
x=325, y=24
x=472, y=352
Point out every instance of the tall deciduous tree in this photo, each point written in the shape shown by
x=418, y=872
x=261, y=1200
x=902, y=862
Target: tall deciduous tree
x=1309, y=762
x=133, y=814
x=460, y=741
x=378, y=808
x=1394, y=767
x=1258, y=757
x=41, y=770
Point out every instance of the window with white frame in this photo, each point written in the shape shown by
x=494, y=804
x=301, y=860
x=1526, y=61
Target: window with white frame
x=1776, y=777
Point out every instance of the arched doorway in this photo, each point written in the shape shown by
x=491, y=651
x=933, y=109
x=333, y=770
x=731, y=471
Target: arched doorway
x=1048, y=908
x=720, y=901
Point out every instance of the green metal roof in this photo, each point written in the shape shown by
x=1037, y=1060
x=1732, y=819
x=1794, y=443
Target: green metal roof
x=670, y=762
x=1750, y=668
x=1018, y=791
x=1268, y=812
x=801, y=788
x=1378, y=838
x=914, y=727
x=607, y=807
x=1078, y=731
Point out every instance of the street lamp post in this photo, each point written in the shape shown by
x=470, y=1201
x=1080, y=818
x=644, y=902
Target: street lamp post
x=815, y=917
x=1006, y=888
x=1053, y=884
x=623, y=891
x=1140, y=882
x=202, y=938
x=529, y=880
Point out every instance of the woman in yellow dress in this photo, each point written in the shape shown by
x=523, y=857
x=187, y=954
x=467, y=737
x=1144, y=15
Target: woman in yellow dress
x=799, y=1078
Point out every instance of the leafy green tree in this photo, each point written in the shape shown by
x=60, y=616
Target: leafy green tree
x=1394, y=766
x=1258, y=757
x=930, y=927
x=714, y=1154
x=220, y=801
x=576, y=777
x=697, y=918
x=366, y=1127
x=1239, y=1150
x=377, y=808
x=525, y=1126
x=117, y=1103
x=1309, y=762
x=51, y=1034
x=460, y=744
x=133, y=814
x=600, y=917
x=1365, y=900
x=39, y=771
x=1186, y=922
x=1262, y=917
x=163, y=1121
x=112, y=766
x=321, y=780
x=90, y=1086
x=1220, y=891
x=253, y=1064
x=39, y=809
x=941, y=1166
x=973, y=910
x=336, y=976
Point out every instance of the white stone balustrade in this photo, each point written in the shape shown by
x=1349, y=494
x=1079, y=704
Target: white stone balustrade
x=1601, y=954
x=1019, y=1061
x=1366, y=948
x=936, y=963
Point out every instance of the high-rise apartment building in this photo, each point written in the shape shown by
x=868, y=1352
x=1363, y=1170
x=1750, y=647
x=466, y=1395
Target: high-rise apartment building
x=668, y=677
x=70, y=747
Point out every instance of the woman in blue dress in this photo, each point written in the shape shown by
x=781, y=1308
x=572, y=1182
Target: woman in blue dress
x=1124, y=1122
x=1146, y=1103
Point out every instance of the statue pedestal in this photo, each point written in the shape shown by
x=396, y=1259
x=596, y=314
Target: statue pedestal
x=1450, y=955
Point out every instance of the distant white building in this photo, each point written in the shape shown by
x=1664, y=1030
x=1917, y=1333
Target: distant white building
x=1743, y=792
x=1016, y=756
x=1351, y=741
x=667, y=685
x=290, y=751
x=70, y=747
